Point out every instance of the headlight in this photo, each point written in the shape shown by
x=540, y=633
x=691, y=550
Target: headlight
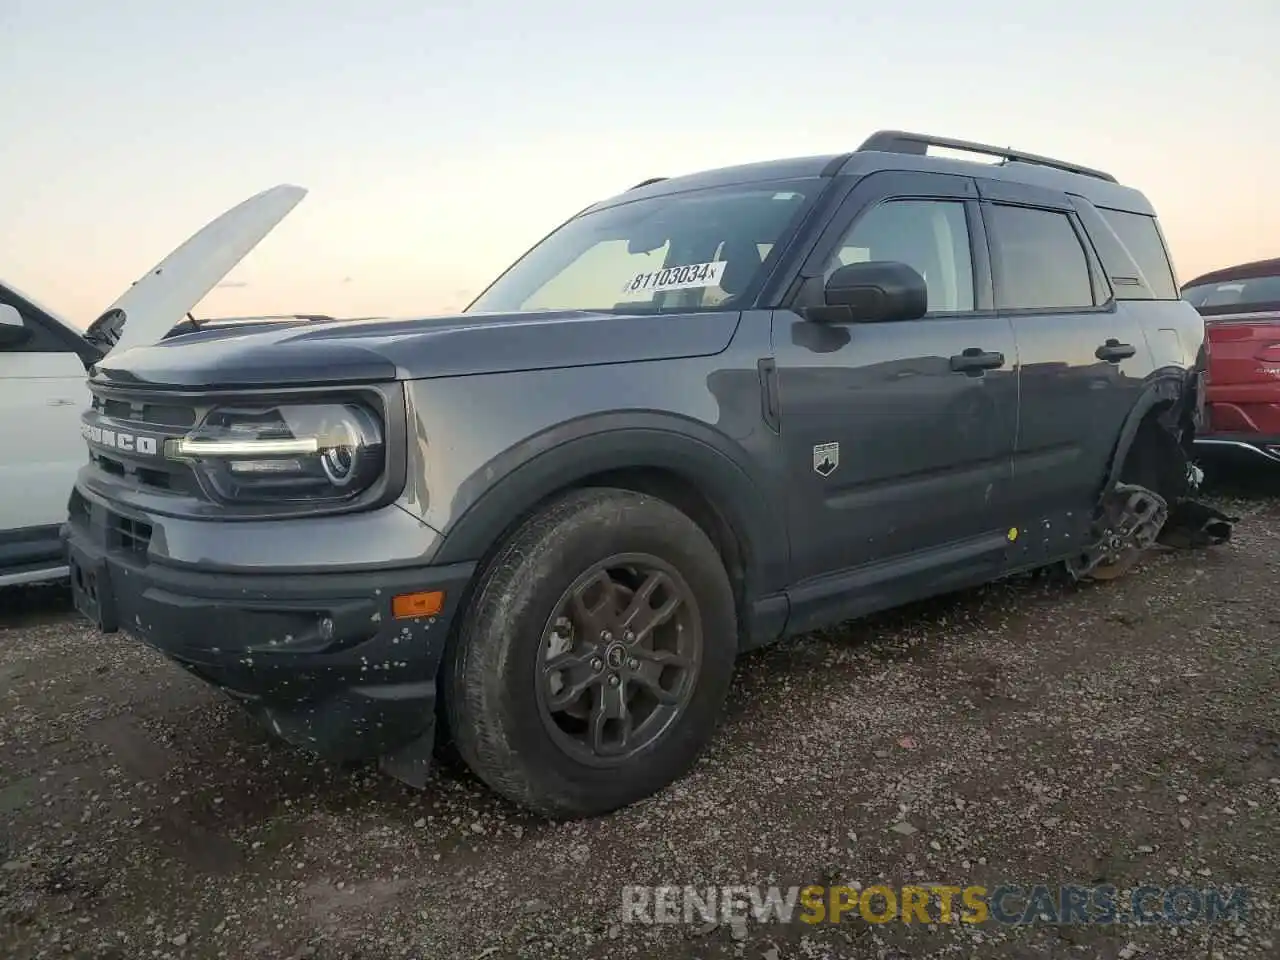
x=286, y=452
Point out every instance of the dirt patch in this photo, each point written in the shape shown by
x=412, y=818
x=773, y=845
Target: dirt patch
x=1030, y=731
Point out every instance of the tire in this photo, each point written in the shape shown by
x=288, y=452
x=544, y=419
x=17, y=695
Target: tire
x=495, y=701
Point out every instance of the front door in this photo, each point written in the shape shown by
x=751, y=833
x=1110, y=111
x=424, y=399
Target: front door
x=42, y=394
x=899, y=436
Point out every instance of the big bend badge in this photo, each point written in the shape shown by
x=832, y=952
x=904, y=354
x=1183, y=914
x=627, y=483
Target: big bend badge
x=826, y=457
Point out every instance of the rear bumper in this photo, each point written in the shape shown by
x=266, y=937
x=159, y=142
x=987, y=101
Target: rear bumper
x=317, y=657
x=1247, y=409
x=1239, y=448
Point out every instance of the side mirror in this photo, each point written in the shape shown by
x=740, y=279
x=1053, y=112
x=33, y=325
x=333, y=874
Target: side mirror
x=12, y=330
x=877, y=291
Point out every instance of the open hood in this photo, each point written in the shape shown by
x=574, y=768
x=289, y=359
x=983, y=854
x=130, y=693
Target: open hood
x=157, y=302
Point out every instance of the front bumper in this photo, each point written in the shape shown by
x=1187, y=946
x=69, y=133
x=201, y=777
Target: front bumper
x=319, y=658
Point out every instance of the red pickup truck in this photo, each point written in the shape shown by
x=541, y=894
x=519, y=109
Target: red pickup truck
x=1241, y=310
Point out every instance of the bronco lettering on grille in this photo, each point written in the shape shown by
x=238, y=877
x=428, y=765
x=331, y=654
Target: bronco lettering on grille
x=120, y=440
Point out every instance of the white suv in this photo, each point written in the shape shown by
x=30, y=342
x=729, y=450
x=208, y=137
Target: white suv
x=43, y=362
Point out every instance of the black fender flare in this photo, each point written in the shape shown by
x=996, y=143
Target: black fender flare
x=511, y=485
x=1170, y=388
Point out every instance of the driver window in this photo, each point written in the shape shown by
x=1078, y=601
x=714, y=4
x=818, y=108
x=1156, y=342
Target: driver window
x=930, y=235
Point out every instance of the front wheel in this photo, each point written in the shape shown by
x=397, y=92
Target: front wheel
x=592, y=666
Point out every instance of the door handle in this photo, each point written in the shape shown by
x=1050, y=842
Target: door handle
x=974, y=360
x=1113, y=351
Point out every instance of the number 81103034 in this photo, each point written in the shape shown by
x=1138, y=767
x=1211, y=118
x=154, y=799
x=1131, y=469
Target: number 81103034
x=688, y=277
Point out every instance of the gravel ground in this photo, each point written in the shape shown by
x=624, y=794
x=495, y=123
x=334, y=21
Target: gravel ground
x=1028, y=732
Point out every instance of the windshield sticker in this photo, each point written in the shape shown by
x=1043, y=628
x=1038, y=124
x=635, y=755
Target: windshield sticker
x=689, y=277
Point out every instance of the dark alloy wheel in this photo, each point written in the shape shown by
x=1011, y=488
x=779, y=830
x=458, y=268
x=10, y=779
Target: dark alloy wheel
x=620, y=658
x=595, y=657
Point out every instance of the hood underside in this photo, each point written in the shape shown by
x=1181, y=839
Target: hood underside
x=159, y=300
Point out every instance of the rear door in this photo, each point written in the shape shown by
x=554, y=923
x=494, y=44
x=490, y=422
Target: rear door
x=1083, y=358
x=894, y=443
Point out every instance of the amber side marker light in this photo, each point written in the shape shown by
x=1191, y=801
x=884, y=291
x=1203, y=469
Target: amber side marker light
x=424, y=604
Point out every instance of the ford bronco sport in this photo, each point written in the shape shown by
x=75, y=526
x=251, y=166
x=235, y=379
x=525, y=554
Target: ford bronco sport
x=708, y=413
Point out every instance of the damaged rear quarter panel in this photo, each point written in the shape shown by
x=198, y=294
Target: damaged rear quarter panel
x=1175, y=335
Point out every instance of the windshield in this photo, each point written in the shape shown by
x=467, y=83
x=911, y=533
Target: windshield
x=1255, y=290
x=704, y=249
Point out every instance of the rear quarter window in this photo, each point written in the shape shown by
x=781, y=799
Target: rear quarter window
x=1141, y=236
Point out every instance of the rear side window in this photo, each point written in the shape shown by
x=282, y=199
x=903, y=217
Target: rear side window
x=1141, y=238
x=1039, y=261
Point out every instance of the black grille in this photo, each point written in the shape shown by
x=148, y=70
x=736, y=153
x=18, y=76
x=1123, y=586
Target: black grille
x=157, y=414
x=171, y=479
x=168, y=476
x=156, y=417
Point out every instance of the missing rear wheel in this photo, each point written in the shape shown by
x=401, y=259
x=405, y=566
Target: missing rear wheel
x=1132, y=518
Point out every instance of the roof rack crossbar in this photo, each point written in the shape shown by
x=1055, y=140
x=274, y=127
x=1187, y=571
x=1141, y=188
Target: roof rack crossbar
x=900, y=141
x=645, y=183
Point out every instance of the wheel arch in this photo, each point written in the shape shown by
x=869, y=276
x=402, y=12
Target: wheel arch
x=1164, y=395
x=694, y=468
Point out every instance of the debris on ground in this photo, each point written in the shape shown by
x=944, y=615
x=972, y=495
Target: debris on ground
x=1125, y=733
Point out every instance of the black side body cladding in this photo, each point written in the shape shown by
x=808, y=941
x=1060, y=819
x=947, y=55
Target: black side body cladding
x=30, y=548
x=615, y=449
x=1165, y=391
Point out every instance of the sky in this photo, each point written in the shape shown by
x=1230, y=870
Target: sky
x=441, y=140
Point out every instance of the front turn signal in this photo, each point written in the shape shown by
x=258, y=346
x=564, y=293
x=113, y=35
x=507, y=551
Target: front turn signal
x=425, y=603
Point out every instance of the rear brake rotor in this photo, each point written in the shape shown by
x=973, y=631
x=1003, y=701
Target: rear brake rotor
x=1132, y=519
x=1114, y=569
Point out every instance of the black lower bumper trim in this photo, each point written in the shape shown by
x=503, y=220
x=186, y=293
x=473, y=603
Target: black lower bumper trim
x=318, y=658
x=356, y=723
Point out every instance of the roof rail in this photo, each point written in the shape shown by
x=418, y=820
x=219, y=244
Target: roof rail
x=645, y=183
x=899, y=141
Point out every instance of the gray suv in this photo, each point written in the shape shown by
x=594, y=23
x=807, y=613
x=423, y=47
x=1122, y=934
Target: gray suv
x=709, y=413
